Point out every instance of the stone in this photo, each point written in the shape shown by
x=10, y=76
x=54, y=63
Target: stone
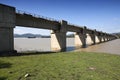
x=92, y=68
x=27, y=75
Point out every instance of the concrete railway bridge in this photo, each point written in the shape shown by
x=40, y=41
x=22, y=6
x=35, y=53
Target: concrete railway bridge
x=10, y=17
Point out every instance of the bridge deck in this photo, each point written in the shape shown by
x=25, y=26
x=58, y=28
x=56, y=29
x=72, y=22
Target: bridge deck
x=28, y=20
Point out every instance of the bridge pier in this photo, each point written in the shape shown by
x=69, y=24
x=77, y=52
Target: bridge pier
x=108, y=38
x=93, y=37
x=58, y=38
x=104, y=40
x=7, y=24
x=99, y=38
x=80, y=38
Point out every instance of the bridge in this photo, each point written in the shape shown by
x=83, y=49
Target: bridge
x=10, y=17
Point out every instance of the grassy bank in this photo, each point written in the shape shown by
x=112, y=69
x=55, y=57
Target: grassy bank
x=61, y=66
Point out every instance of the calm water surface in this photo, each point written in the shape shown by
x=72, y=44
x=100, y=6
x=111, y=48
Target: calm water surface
x=43, y=44
x=38, y=44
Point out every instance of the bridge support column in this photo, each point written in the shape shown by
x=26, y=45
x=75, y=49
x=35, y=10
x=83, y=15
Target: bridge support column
x=80, y=38
x=110, y=38
x=58, y=38
x=93, y=38
x=7, y=23
x=104, y=38
x=100, y=38
x=107, y=38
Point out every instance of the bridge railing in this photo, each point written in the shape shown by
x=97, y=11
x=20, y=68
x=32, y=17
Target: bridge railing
x=35, y=15
x=75, y=25
x=47, y=18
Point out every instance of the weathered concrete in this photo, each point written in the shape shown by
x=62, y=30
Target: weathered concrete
x=78, y=40
x=9, y=19
x=100, y=38
x=104, y=39
x=6, y=39
x=7, y=23
x=80, y=37
x=28, y=20
x=58, y=38
x=93, y=37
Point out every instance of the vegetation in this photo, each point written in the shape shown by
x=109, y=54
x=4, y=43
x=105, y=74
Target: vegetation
x=61, y=66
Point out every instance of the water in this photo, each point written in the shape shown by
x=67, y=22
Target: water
x=38, y=44
x=112, y=47
x=43, y=44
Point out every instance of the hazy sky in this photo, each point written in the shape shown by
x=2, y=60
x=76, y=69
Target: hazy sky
x=103, y=15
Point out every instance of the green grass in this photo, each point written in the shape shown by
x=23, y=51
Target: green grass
x=61, y=66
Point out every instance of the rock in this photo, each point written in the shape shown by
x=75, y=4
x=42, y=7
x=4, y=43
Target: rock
x=92, y=68
x=27, y=75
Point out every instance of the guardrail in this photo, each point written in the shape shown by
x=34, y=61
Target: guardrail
x=35, y=15
x=47, y=18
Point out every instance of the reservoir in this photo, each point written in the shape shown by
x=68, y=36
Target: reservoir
x=44, y=44
x=38, y=44
x=112, y=47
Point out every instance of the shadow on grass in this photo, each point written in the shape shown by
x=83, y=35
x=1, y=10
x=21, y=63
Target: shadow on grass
x=33, y=53
x=25, y=53
x=3, y=78
x=70, y=48
x=4, y=65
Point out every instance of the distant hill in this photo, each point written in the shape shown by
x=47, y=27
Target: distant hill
x=30, y=35
x=27, y=35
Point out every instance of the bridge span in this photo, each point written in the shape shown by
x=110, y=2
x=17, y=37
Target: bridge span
x=10, y=17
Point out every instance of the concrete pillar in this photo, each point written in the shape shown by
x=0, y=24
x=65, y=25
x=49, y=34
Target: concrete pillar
x=58, y=38
x=107, y=38
x=7, y=23
x=93, y=38
x=104, y=37
x=84, y=45
x=100, y=37
x=110, y=38
x=80, y=38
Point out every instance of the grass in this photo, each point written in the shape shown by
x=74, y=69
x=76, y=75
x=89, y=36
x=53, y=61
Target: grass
x=61, y=66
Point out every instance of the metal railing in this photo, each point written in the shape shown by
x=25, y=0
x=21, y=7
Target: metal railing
x=43, y=17
x=35, y=15
x=75, y=25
